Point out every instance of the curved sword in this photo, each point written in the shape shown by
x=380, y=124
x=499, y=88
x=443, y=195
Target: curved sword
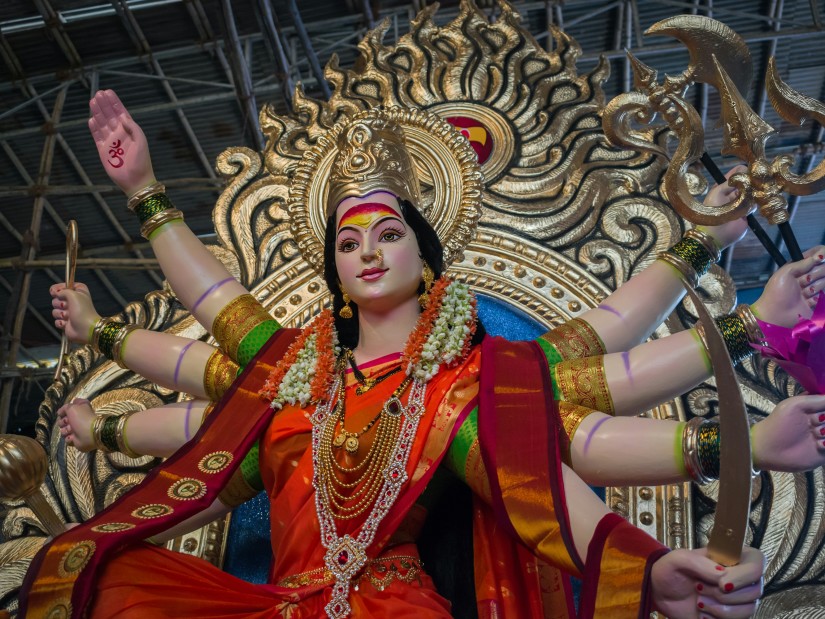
x=733, y=505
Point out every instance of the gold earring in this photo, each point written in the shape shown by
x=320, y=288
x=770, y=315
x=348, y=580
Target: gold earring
x=346, y=311
x=428, y=276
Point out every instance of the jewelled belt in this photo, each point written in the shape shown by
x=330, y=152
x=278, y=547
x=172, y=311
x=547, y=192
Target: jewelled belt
x=379, y=572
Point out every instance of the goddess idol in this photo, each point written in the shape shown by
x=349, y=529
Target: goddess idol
x=351, y=424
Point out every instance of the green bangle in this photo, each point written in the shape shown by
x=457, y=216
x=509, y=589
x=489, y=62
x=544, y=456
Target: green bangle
x=736, y=337
x=152, y=205
x=708, y=445
x=108, y=336
x=108, y=433
x=694, y=253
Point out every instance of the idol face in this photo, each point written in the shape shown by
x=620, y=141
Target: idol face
x=376, y=253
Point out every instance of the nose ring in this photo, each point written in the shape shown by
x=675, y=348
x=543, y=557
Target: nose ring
x=379, y=256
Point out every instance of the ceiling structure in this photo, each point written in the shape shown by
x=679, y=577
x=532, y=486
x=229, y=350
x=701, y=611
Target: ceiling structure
x=193, y=73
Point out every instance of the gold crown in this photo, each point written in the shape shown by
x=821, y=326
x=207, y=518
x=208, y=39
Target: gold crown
x=389, y=149
x=372, y=155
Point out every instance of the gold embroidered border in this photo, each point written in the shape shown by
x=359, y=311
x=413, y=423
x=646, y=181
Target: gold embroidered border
x=572, y=416
x=379, y=572
x=218, y=375
x=236, y=320
x=582, y=381
x=575, y=339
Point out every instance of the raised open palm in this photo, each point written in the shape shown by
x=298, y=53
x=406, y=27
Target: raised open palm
x=120, y=142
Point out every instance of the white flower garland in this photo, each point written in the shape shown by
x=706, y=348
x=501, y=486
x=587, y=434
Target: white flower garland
x=444, y=345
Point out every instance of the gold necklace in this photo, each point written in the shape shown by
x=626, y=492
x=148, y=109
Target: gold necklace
x=349, y=499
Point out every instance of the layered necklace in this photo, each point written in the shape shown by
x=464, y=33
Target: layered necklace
x=313, y=371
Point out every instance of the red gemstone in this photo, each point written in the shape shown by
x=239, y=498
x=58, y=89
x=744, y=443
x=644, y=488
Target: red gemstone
x=395, y=474
x=343, y=557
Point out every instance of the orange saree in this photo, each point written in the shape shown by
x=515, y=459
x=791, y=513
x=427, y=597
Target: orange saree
x=98, y=569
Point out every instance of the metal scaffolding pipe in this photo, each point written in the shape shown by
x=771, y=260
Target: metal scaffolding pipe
x=20, y=296
x=243, y=81
x=129, y=264
x=272, y=34
x=314, y=64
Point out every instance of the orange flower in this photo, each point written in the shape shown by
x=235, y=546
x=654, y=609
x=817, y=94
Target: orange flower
x=415, y=343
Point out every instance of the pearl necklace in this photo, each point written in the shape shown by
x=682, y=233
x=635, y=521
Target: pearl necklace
x=347, y=555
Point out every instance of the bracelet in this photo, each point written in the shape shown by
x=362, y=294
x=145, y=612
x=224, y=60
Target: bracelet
x=218, y=375
x=752, y=328
x=107, y=433
x=151, y=206
x=707, y=241
x=140, y=195
x=119, y=344
x=733, y=331
x=687, y=272
x=97, y=428
x=700, y=450
x=105, y=336
x=234, y=322
x=158, y=220
x=120, y=436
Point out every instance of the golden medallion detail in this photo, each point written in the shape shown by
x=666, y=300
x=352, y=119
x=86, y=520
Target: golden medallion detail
x=153, y=510
x=76, y=558
x=215, y=462
x=187, y=489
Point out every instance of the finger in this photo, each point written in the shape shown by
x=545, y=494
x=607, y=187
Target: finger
x=802, y=267
x=70, y=441
x=55, y=288
x=60, y=324
x=816, y=250
x=95, y=130
x=98, y=114
x=108, y=111
x=809, y=404
x=816, y=272
x=747, y=572
x=115, y=102
x=81, y=287
x=728, y=611
x=745, y=595
x=58, y=314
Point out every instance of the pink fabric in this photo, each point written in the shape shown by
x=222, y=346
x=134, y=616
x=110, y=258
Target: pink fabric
x=800, y=351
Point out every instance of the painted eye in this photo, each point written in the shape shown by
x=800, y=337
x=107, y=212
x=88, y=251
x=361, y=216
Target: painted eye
x=391, y=235
x=347, y=246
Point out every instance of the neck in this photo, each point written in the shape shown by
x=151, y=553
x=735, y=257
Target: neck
x=385, y=333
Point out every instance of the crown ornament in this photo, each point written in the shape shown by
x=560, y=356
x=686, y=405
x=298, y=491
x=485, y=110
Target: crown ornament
x=372, y=156
x=388, y=149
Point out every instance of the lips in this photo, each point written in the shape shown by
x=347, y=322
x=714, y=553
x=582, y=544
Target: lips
x=371, y=275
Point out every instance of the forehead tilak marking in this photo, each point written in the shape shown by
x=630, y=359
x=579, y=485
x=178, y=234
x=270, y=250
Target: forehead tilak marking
x=363, y=215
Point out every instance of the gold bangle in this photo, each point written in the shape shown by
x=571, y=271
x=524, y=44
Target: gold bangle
x=218, y=375
x=752, y=327
x=140, y=195
x=118, y=344
x=97, y=428
x=120, y=436
x=687, y=272
x=707, y=241
x=234, y=322
x=156, y=221
x=690, y=450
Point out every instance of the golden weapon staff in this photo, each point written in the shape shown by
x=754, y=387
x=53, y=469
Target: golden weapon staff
x=23, y=465
x=71, y=266
x=705, y=39
x=745, y=136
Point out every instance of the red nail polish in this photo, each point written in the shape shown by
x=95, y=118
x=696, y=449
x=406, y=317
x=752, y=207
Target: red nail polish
x=700, y=605
x=822, y=431
x=821, y=257
x=720, y=568
x=729, y=587
x=699, y=586
x=821, y=416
